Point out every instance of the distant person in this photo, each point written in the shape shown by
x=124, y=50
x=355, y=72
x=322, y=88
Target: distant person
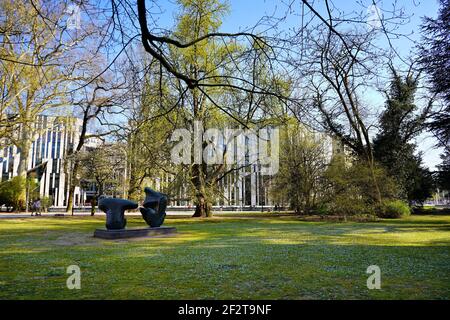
x=93, y=204
x=37, y=206
x=33, y=207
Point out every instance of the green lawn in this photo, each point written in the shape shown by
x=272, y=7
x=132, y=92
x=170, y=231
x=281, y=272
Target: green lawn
x=228, y=258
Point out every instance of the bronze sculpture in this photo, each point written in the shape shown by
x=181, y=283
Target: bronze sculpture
x=154, y=210
x=115, y=211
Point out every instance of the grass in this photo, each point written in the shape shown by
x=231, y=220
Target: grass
x=228, y=258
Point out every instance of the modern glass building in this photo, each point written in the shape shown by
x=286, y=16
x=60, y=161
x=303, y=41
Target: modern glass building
x=248, y=182
x=53, y=139
x=247, y=186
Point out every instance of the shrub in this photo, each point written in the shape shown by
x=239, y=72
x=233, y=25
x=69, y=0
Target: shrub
x=349, y=204
x=11, y=193
x=351, y=190
x=394, y=209
x=321, y=209
x=46, y=202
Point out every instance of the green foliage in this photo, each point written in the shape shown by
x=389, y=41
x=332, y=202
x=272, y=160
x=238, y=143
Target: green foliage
x=46, y=202
x=351, y=190
x=205, y=15
x=346, y=203
x=33, y=187
x=321, y=208
x=206, y=60
x=299, y=180
x=393, y=148
x=196, y=19
x=103, y=166
x=443, y=174
x=422, y=185
x=394, y=209
x=11, y=192
x=154, y=120
x=434, y=56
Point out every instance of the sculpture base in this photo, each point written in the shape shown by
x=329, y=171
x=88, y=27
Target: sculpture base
x=133, y=233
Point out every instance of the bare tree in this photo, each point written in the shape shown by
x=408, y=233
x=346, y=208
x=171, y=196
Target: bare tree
x=39, y=57
x=92, y=106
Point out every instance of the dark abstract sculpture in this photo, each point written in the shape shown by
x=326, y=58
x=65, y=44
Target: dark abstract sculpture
x=115, y=211
x=154, y=210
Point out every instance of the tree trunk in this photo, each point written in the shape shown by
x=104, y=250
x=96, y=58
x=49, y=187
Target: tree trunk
x=202, y=207
x=93, y=204
x=73, y=177
x=134, y=183
x=371, y=162
x=202, y=204
x=25, y=144
x=307, y=204
x=134, y=193
x=69, y=207
x=76, y=164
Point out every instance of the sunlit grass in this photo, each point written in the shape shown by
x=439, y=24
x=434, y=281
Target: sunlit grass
x=227, y=258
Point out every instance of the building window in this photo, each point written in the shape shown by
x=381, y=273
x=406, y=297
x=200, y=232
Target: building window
x=53, y=144
x=58, y=146
x=54, y=166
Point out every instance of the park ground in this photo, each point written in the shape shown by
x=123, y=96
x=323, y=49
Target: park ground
x=259, y=257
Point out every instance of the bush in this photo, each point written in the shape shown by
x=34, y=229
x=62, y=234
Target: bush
x=11, y=193
x=394, y=209
x=46, y=202
x=321, y=209
x=349, y=204
x=351, y=190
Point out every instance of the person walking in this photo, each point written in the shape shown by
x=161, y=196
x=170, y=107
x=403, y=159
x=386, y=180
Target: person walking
x=33, y=207
x=37, y=206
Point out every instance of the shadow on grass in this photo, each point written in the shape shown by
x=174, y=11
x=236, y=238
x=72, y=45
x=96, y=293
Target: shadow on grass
x=236, y=232
x=228, y=258
x=242, y=270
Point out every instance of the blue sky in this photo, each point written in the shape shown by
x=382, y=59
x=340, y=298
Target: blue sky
x=246, y=13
